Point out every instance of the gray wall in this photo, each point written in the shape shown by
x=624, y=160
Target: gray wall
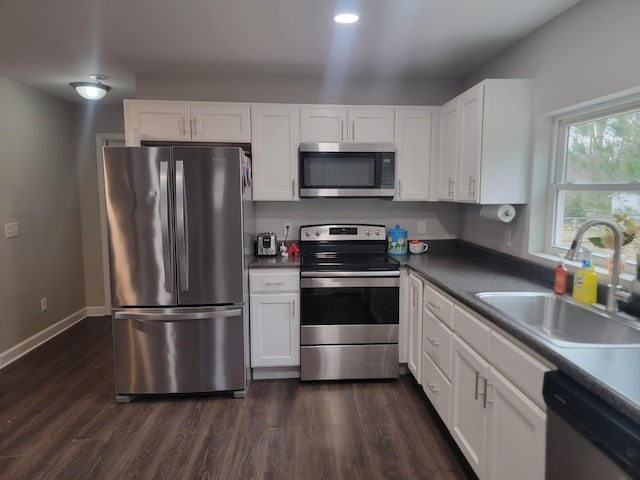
x=92, y=119
x=355, y=91
x=38, y=189
x=588, y=52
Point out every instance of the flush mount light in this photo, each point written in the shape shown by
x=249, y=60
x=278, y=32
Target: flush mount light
x=346, y=18
x=92, y=90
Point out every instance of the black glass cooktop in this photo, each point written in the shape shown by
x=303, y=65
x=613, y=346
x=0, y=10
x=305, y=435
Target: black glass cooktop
x=323, y=262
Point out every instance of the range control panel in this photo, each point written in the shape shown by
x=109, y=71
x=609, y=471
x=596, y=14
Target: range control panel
x=342, y=232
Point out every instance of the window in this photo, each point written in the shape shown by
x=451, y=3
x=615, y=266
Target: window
x=597, y=175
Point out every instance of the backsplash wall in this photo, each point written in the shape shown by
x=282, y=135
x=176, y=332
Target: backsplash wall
x=442, y=219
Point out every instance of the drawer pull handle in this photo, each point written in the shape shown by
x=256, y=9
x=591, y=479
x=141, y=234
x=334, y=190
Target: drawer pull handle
x=433, y=342
x=434, y=305
x=485, y=400
x=274, y=283
x=432, y=387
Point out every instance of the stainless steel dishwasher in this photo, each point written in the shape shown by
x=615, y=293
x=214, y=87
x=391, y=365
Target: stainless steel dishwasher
x=586, y=437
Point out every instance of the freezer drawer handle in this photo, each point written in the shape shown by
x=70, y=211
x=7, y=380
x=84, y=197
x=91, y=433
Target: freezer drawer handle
x=181, y=227
x=169, y=317
x=164, y=218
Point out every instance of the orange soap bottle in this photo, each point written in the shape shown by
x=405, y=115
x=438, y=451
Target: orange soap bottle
x=560, y=280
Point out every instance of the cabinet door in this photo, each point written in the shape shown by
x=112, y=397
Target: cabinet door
x=516, y=433
x=156, y=120
x=275, y=330
x=448, y=150
x=220, y=122
x=414, y=353
x=323, y=124
x=470, y=145
x=468, y=413
x=276, y=136
x=413, y=153
x=373, y=125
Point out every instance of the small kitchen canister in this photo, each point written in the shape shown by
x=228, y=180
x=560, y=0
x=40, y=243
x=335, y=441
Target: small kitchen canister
x=397, y=241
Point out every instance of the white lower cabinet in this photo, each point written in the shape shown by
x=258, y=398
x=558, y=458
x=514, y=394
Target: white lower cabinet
x=486, y=389
x=437, y=388
x=516, y=433
x=414, y=330
x=274, y=318
x=468, y=413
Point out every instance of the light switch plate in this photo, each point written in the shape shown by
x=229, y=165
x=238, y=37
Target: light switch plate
x=11, y=230
x=422, y=227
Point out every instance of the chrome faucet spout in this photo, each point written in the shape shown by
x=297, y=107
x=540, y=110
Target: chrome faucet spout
x=614, y=289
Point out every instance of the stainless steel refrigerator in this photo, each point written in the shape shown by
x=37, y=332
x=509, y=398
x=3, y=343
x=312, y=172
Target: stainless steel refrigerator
x=178, y=281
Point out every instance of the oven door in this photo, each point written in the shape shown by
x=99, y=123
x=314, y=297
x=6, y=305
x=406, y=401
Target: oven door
x=343, y=310
x=349, y=328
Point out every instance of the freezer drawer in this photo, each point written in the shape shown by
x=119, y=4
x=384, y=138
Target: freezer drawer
x=174, y=350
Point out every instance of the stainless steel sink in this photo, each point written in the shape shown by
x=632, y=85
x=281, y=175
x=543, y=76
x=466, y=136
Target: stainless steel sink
x=563, y=322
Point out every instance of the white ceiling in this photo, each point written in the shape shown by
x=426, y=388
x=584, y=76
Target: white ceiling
x=48, y=44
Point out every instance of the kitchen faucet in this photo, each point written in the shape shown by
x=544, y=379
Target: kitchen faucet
x=615, y=291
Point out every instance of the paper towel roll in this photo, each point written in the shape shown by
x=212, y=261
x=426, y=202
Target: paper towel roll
x=500, y=213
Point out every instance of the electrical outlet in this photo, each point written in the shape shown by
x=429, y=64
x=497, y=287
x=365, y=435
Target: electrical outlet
x=422, y=227
x=287, y=230
x=11, y=230
x=43, y=304
x=507, y=237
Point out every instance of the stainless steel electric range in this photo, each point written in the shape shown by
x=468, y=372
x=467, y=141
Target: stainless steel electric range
x=349, y=290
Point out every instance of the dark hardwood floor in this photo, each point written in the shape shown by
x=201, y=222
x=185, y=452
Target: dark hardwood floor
x=59, y=419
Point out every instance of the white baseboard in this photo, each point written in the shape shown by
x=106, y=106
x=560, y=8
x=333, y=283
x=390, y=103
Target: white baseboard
x=14, y=353
x=99, y=311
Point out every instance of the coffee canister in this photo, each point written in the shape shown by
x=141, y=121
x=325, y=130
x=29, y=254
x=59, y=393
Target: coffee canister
x=397, y=241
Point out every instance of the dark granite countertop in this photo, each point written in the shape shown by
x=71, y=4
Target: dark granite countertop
x=277, y=261
x=607, y=372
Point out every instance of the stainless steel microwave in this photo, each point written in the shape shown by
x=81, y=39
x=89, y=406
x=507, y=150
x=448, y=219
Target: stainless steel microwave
x=347, y=169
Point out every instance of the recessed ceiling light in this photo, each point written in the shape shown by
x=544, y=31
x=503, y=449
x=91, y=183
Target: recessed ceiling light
x=346, y=18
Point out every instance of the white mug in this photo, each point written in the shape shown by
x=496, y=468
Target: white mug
x=418, y=247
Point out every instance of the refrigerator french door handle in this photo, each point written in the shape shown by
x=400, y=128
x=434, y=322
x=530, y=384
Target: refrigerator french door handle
x=173, y=316
x=181, y=227
x=164, y=218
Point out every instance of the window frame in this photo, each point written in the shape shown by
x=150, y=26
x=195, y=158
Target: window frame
x=557, y=172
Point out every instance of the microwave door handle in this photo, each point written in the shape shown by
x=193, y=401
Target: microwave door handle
x=181, y=227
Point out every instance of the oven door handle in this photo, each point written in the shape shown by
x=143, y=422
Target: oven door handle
x=349, y=282
x=335, y=274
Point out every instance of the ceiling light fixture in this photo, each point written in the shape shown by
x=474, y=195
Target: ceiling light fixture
x=92, y=90
x=346, y=18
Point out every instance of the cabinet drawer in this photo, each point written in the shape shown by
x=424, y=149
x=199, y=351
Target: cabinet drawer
x=437, y=388
x=437, y=340
x=274, y=280
x=472, y=331
x=439, y=305
x=519, y=367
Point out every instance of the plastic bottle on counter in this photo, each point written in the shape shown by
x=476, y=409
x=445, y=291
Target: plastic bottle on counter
x=585, y=283
x=560, y=280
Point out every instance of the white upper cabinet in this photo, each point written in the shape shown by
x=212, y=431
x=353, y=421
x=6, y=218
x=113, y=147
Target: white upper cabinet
x=323, y=124
x=469, y=144
x=484, y=144
x=156, y=120
x=448, y=150
x=219, y=122
x=413, y=134
x=276, y=136
x=346, y=124
x=186, y=121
